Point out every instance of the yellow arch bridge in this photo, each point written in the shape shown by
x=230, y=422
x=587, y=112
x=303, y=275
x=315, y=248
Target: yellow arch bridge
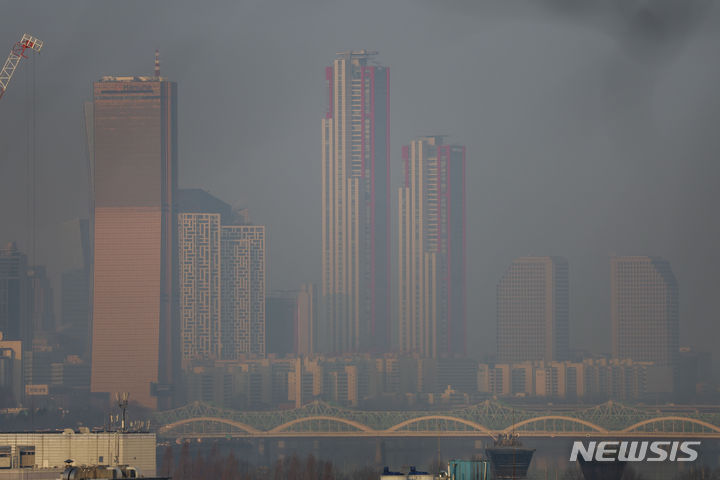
x=488, y=419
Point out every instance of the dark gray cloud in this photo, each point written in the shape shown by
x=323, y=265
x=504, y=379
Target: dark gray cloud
x=590, y=126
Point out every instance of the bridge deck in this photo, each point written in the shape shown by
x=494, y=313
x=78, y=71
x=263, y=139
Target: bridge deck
x=488, y=419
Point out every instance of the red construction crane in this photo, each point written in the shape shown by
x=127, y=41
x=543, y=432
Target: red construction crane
x=16, y=54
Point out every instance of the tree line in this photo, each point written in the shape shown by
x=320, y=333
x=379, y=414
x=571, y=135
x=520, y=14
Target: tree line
x=217, y=465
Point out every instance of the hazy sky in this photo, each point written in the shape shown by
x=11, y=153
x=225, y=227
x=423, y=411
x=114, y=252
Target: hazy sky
x=589, y=131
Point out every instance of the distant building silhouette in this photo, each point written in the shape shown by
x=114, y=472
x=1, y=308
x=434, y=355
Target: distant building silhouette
x=75, y=294
x=134, y=142
x=291, y=321
x=306, y=320
x=533, y=310
x=15, y=319
x=75, y=309
x=645, y=313
x=281, y=321
x=41, y=300
x=431, y=249
x=355, y=206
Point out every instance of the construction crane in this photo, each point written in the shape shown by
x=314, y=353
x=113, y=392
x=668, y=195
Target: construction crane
x=16, y=54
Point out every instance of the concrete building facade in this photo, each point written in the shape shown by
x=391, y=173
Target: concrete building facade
x=30, y=455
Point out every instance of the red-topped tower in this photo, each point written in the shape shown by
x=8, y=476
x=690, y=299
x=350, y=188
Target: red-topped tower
x=355, y=206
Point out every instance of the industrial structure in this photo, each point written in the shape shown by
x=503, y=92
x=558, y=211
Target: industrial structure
x=27, y=42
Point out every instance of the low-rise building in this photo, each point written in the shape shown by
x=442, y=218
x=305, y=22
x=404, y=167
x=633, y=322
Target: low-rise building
x=31, y=455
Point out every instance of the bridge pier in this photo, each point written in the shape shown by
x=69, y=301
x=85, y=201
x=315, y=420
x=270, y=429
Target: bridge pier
x=316, y=448
x=380, y=452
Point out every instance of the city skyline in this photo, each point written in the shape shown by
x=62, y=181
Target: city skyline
x=357, y=238
x=494, y=241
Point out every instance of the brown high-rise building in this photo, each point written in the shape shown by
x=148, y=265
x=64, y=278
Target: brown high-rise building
x=533, y=310
x=644, y=298
x=135, y=176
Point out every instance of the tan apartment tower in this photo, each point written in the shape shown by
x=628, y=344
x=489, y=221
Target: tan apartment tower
x=431, y=249
x=533, y=310
x=355, y=289
x=134, y=139
x=645, y=313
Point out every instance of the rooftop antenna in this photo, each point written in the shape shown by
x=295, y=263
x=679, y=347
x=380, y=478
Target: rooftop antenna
x=122, y=402
x=157, y=63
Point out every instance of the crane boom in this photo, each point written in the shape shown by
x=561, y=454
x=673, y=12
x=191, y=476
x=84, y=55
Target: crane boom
x=16, y=54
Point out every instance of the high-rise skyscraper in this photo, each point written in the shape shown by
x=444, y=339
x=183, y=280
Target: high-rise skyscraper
x=134, y=141
x=243, y=290
x=355, y=205
x=431, y=249
x=221, y=269
x=199, y=268
x=645, y=313
x=15, y=318
x=221, y=288
x=533, y=310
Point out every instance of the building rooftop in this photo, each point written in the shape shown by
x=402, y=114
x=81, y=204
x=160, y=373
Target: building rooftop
x=132, y=78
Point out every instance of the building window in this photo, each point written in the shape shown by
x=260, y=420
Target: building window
x=27, y=456
x=5, y=458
